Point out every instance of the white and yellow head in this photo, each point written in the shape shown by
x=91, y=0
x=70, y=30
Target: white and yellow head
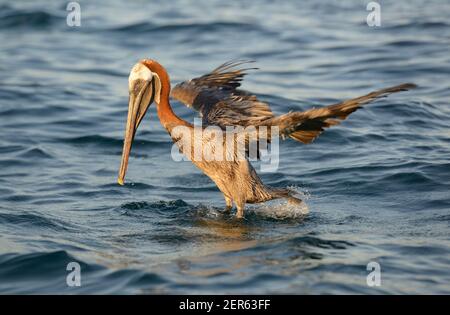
x=144, y=87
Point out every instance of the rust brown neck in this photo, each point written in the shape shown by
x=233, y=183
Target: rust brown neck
x=165, y=113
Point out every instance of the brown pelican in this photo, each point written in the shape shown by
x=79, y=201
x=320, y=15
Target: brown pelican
x=221, y=104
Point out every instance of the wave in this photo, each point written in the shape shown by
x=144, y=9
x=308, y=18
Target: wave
x=314, y=241
x=47, y=111
x=159, y=205
x=45, y=272
x=11, y=18
x=407, y=43
x=418, y=25
x=177, y=210
x=35, y=153
x=148, y=27
x=106, y=141
x=35, y=221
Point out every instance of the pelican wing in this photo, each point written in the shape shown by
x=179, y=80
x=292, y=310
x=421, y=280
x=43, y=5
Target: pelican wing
x=308, y=125
x=217, y=97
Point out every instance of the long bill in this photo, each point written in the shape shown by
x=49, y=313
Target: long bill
x=138, y=104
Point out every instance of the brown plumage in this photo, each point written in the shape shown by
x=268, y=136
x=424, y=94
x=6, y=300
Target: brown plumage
x=220, y=103
x=308, y=125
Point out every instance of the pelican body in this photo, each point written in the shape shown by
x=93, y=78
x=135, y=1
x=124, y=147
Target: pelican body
x=216, y=96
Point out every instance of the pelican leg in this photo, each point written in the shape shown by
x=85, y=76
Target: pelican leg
x=240, y=209
x=228, y=204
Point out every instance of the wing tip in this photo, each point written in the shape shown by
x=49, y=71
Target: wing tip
x=233, y=63
x=407, y=86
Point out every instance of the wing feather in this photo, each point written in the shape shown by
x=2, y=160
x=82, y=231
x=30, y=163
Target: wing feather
x=308, y=125
x=217, y=97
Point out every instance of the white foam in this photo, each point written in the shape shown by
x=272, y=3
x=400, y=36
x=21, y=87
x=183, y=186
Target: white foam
x=281, y=209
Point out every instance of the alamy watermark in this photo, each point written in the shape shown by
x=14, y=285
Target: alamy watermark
x=374, y=17
x=73, y=279
x=74, y=16
x=374, y=277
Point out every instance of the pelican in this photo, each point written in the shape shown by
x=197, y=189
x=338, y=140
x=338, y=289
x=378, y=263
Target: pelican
x=217, y=97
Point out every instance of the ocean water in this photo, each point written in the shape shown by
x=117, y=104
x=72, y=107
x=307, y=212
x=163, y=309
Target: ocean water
x=376, y=187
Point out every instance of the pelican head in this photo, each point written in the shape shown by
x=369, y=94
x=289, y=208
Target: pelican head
x=144, y=88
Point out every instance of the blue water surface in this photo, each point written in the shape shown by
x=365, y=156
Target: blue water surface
x=377, y=186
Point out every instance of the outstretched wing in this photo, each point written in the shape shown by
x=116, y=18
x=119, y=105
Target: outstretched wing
x=217, y=97
x=308, y=125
